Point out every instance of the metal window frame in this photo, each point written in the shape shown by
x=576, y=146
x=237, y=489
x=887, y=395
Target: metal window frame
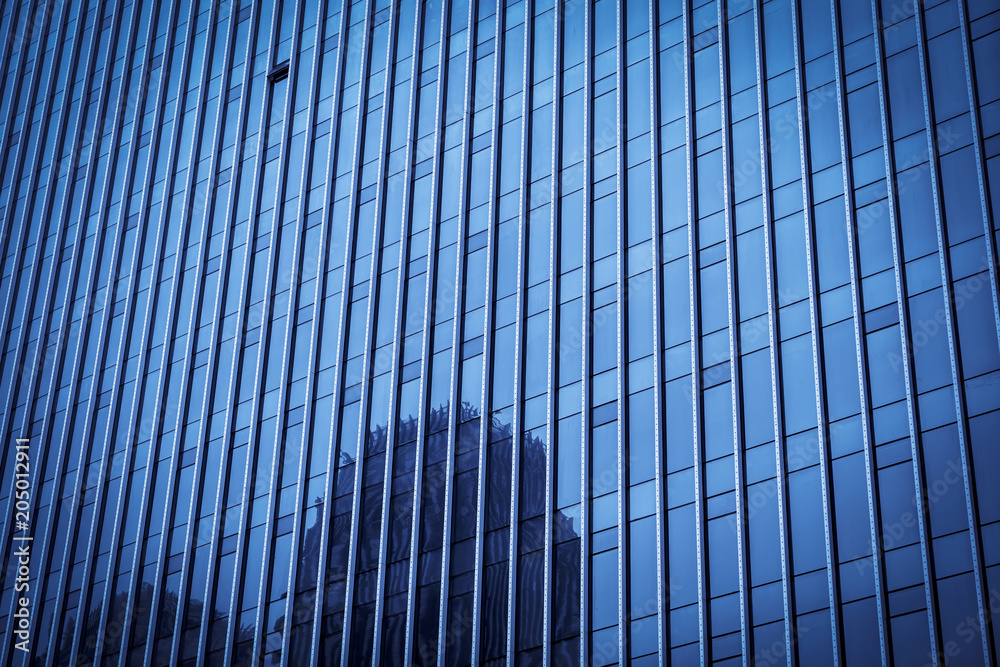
x=781, y=474
x=982, y=595
x=916, y=441
x=861, y=348
x=47, y=293
x=330, y=179
x=735, y=363
x=427, y=330
x=491, y=261
x=401, y=291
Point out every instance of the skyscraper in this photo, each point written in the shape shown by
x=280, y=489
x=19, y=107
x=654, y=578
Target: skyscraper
x=490, y=332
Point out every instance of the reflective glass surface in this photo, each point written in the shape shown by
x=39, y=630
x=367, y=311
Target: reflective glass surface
x=452, y=332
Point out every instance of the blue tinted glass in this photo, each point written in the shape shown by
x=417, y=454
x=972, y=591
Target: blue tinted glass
x=339, y=379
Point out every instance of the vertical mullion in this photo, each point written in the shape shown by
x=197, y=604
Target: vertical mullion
x=27, y=368
x=418, y=446
x=787, y=584
x=704, y=639
x=359, y=465
x=443, y=81
x=115, y=394
x=19, y=233
x=399, y=311
x=585, y=346
x=620, y=293
x=132, y=174
x=739, y=459
x=65, y=312
x=31, y=369
x=978, y=148
x=18, y=237
x=291, y=611
x=853, y=250
x=551, y=413
x=35, y=278
x=341, y=335
x=244, y=364
x=987, y=612
x=517, y=438
x=227, y=260
x=387, y=104
x=456, y=358
x=168, y=345
x=191, y=335
x=486, y=417
x=982, y=596
x=904, y=319
x=8, y=86
x=817, y=344
x=154, y=297
x=267, y=323
x=659, y=453
x=426, y=353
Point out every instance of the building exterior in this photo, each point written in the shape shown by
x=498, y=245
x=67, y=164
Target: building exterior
x=494, y=332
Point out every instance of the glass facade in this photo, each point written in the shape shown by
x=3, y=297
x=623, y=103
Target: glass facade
x=486, y=332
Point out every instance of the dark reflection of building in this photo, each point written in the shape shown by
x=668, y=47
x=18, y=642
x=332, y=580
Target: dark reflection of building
x=462, y=520
x=115, y=618
x=532, y=464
